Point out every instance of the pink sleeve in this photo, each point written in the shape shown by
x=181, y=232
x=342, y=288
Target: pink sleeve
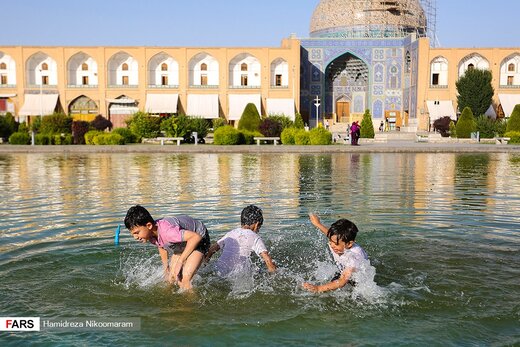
x=169, y=233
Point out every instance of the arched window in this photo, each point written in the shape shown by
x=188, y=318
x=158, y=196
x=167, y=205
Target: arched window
x=243, y=67
x=45, y=66
x=84, y=67
x=124, y=67
x=203, y=67
x=471, y=67
x=511, y=67
x=164, y=67
x=408, y=62
x=3, y=66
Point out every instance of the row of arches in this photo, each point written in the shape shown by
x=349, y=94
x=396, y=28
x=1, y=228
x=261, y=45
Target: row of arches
x=509, y=69
x=162, y=71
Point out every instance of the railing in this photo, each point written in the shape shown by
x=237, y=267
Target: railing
x=245, y=87
x=45, y=86
x=123, y=86
x=82, y=86
x=279, y=87
x=204, y=87
x=509, y=86
x=7, y=85
x=438, y=86
x=159, y=86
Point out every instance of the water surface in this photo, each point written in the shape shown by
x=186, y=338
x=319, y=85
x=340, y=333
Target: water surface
x=441, y=231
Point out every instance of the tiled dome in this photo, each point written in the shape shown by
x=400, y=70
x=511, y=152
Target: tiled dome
x=367, y=18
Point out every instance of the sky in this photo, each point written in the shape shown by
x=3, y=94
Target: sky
x=225, y=23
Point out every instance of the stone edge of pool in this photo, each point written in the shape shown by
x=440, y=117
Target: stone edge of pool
x=389, y=147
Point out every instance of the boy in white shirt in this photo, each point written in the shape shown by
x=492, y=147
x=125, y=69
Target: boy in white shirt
x=348, y=255
x=238, y=244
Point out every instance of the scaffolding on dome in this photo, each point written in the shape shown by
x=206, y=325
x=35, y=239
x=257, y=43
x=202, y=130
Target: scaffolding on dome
x=430, y=10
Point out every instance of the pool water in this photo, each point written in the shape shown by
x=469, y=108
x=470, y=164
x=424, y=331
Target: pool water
x=441, y=230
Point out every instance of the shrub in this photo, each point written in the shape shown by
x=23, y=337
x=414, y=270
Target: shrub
x=143, y=125
x=57, y=123
x=453, y=129
x=20, y=138
x=247, y=137
x=287, y=136
x=442, y=125
x=466, y=124
x=79, y=129
x=176, y=126
x=298, y=121
x=36, y=123
x=23, y=128
x=101, y=123
x=59, y=139
x=250, y=119
x=513, y=124
x=127, y=135
x=218, y=122
x=302, y=137
x=320, y=136
x=486, y=127
x=285, y=121
x=89, y=136
x=43, y=139
x=271, y=127
x=514, y=137
x=200, y=126
x=8, y=125
x=226, y=135
x=500, y=127
x=108, y=139
x=367, y=127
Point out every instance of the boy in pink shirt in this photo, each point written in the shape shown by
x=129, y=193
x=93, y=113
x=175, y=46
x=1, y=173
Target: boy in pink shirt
x=187, y=239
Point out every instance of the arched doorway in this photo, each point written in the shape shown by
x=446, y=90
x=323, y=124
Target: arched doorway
x=346, y=89
x=83, y=108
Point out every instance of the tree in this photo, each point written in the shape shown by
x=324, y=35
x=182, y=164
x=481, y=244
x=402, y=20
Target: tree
x=513, y=124
x=367, y=127
x=250, y=119
x=475, y=91
x=101, y=123
x=466, y=124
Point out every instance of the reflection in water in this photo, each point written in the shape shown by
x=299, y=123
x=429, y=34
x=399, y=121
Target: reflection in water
x=441, y=231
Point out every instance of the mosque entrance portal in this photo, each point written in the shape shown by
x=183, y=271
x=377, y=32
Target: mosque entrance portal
x=346, y=88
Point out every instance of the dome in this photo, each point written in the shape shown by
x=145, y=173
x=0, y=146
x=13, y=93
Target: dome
x=367, y=18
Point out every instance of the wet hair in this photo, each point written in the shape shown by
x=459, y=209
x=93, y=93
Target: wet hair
x=137, y=216
x=344, y=229
x=251, y=215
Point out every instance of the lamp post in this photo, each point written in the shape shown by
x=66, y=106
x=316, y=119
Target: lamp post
x=317, y=104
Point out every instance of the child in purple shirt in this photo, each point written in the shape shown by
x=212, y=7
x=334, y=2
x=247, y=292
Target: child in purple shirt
x=186, y=238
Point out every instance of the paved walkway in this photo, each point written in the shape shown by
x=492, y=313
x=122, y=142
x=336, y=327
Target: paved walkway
x=389, y=147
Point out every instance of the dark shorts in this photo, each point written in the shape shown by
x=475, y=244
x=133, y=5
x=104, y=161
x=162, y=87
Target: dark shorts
x=202, y=247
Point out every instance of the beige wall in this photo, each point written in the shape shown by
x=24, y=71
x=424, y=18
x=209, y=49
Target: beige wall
x=454, y=56
x=289, y=51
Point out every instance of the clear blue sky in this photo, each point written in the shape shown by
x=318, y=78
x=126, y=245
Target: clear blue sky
x=227, y=23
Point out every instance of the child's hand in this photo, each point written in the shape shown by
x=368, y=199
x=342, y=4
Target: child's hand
x=315, y=220
x=310, y=287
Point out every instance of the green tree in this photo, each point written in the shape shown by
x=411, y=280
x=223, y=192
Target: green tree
x=367, y=127
x=56, y=123
x=475, y=91
x=143, y=125
x=513, y=124
x=250, y=119
x=8, y=125
x=466, y=124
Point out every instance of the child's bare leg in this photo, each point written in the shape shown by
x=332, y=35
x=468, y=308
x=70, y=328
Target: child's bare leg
x=190, y=268
x=173, y=260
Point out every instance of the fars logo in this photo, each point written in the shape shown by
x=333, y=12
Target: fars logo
x=19, y=323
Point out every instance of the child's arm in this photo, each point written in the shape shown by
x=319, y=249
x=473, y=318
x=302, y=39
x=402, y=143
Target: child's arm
x=271, y=267
x=315, y=220
x=164, y=258
x=212, y=250
x=339, y=283
x=192, y=240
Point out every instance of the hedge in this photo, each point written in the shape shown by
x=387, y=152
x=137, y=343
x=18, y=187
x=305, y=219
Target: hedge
x=320, y=136
x=20, y=138
x=227, y=135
